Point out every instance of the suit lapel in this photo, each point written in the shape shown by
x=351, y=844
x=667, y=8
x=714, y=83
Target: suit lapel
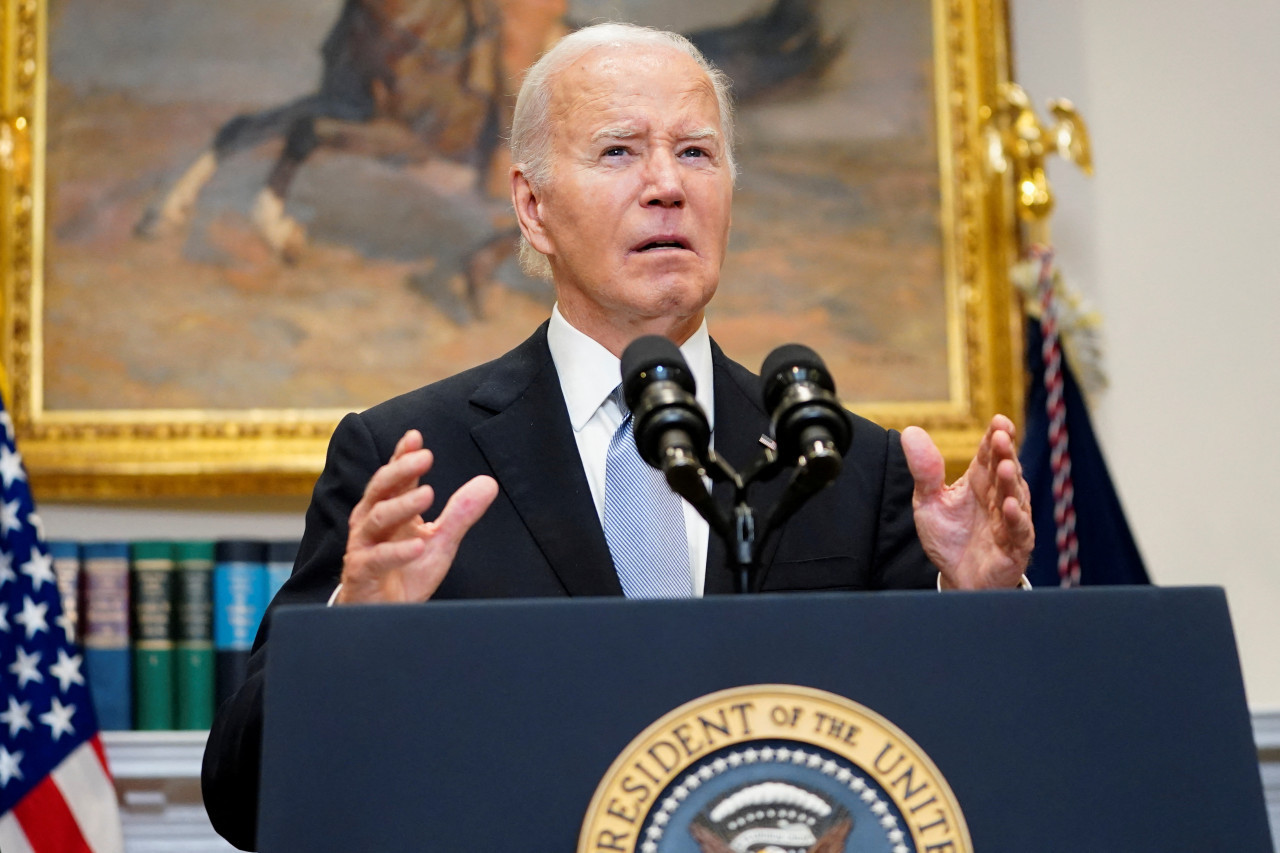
x=528, y=441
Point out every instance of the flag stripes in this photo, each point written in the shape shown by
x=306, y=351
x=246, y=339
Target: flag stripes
x=49, y=825
x=12, y=838
x=84, y=781
x=56, y=793
x=58, y=816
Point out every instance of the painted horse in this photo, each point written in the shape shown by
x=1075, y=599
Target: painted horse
x=423, y=79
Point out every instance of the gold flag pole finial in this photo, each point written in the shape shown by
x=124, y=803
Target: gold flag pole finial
x=1018, y=142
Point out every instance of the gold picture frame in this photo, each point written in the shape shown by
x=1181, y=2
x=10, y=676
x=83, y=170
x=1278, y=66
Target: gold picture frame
x=138, y=452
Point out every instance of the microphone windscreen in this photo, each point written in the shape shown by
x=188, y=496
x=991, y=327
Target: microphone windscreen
x=792, y=363
x=650, y=359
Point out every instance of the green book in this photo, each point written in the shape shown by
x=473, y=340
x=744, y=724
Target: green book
x=151, y=576
x=193, y=637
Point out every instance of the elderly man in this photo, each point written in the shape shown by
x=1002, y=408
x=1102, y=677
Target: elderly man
x=622, y=181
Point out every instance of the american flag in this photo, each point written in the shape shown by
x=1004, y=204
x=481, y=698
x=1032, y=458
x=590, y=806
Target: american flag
x=56, y=794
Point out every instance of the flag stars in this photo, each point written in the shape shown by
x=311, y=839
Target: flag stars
x=9, y=766
x=67, y=670
x=10, y=521
x=58, y=719
x=4, y=617
x=10, y=465
x=16, y=718
x=32, y=616
x=26, y=667
x=6, y=568
x=39, y=568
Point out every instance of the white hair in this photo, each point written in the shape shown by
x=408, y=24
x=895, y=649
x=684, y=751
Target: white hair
x=531, y=123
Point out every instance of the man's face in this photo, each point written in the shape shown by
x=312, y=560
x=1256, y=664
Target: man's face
x=635, y=216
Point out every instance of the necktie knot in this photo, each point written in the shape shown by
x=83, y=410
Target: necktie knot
x=619, y=397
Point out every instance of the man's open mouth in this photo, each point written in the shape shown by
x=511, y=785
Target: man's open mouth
x=664, y=243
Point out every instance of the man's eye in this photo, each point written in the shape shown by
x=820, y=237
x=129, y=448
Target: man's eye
x=615, y=151
x=695, y=152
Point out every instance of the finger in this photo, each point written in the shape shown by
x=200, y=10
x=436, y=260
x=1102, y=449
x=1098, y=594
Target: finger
x=996, y=448
x=1008, y=484
x=1000, y=425
x=370, y=568
x=1011, y=481
x=392, y=480
x=1000, y=451
x=924, y=461
x=411, y=440
x=395, y=478
x=377, y=574
x=464, y=509
x=1021, y=532
x=1005, y=424
x=386, y=519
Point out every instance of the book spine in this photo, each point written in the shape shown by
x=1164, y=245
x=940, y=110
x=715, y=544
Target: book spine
x=66, y=568
x=106, y=632
x=152, y=599
x=193, y=646
x=239, y=600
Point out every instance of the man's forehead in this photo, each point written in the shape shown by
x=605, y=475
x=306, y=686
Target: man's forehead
x=610, y=77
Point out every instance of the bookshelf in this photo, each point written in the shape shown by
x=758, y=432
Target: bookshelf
x=157, y=778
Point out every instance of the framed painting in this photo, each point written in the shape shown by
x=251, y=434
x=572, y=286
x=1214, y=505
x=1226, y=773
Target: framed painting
x=228, y=224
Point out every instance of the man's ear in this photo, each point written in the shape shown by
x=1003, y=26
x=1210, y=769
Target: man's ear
x=528, y=205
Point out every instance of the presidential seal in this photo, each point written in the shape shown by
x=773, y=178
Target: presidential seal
x=773, y=768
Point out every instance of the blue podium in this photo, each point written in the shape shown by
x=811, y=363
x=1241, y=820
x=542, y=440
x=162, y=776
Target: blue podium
x=1081, y=720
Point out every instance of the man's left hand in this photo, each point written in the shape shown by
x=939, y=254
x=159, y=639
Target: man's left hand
x=978, y=530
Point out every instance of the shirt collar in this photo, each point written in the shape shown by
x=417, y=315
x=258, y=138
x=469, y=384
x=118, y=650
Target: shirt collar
x=589, y=372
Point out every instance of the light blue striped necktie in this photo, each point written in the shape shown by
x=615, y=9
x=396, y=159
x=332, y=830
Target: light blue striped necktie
x=643, y=521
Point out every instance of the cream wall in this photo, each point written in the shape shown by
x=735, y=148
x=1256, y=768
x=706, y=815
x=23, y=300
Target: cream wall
x=1175, y=239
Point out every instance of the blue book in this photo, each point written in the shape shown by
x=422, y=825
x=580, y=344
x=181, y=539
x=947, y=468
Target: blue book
x=239, y=600
x=108, y=667
x=280, y=557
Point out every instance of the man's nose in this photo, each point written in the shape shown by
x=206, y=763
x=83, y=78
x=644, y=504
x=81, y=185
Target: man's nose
x=665, y=187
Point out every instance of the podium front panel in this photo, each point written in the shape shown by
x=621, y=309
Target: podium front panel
x=1100, y=720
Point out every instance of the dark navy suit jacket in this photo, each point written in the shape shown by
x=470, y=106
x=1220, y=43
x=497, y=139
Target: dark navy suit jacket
x=542, y=535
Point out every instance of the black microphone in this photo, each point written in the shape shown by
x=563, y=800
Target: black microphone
x=672, y=433
x=810, y=426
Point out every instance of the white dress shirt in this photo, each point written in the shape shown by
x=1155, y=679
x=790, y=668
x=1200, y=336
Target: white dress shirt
x=588, y=374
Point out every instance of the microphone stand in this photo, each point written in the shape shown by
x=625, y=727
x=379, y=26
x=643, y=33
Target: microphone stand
x=743, y=531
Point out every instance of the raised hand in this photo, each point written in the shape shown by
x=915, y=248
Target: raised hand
x=978, y=530
x=392, y=554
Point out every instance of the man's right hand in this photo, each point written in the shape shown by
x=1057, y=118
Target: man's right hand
x=392, y=554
